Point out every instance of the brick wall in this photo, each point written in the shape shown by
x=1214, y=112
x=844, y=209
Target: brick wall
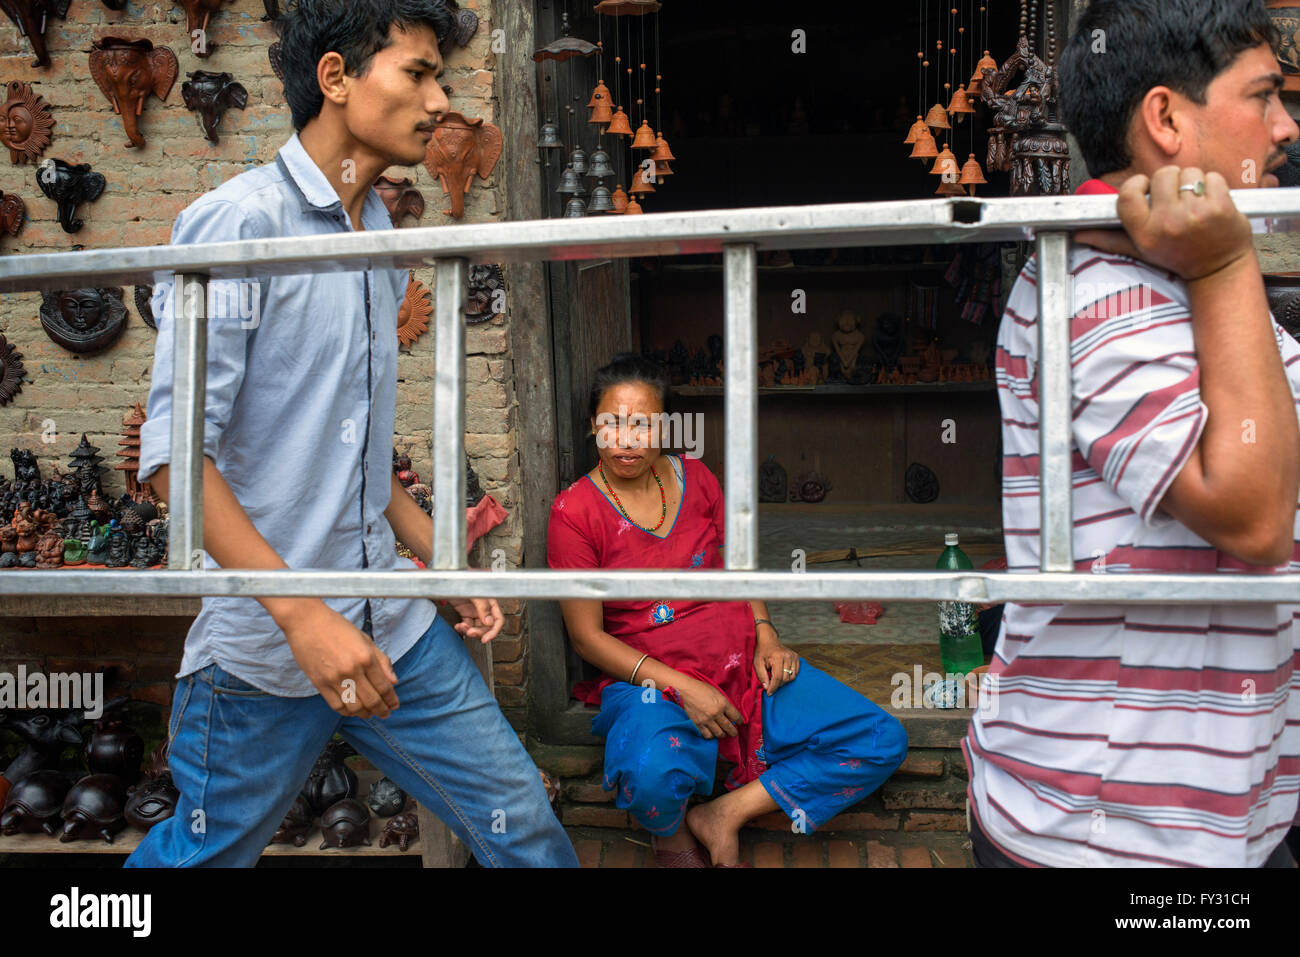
x=65, y=394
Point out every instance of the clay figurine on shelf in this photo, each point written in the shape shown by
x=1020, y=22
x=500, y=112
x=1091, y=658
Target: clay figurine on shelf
x=460, y=149
x=401, y=830
x=93, y=808
x=69, y=186
x=97, y=547
x=847, y=340
x=49, y=550
x=34, y=804
x=402, y=469
x=209, y=95
x=810, y=486
x=127, y=71
x=888, y=342
x=330, y=780
x=84, y=320
x=119, y=551
x=771, y=481
x=930, y=363
x=814, y=357
x=30, y=17
x=293, y=829
x=46, y=735
x=27, y=123
x=385, y=798
x=345, y=824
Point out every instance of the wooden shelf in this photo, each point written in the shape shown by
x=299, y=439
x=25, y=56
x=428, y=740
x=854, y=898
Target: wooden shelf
x=89, y=606
x=845, y=269
x=983, y=385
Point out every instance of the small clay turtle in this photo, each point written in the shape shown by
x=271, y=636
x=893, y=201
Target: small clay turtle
x=34, y=804
x=386, y=798
x=345, y=824
x=94, y=808
x=401, y=830
x=293, y=829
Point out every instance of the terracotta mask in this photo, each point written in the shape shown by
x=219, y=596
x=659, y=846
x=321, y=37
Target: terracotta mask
x=210, y=95
x=400, y=197
x=27, y=123
x=127, y=71
x=29, y=16
x=84, y=320
x=13, y=212
x=69, y=186
x=459, y=149
x=414, y=312
x=197, y=15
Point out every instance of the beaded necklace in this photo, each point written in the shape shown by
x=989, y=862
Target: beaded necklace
x=663, y=498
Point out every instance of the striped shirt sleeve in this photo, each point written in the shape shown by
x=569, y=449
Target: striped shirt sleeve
x=1138, y=412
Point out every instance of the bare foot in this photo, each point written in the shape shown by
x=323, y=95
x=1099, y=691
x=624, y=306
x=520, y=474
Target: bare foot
x=712, y=826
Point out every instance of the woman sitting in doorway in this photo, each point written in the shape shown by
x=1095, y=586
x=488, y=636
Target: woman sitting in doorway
x=687, y=682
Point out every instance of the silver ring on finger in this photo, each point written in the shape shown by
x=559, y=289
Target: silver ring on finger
x=1196, y=189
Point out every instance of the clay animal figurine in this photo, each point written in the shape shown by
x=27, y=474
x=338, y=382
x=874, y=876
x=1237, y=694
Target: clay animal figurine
x=69, y=186
x=46, y=733
x=115, y=749
x=30, y=16
x=210, y=95
x=93, y=808
x=400, y=197
x=27, y=123
x=401, y=830
x=34, y=804
x=153, y=799
x=385, y=798
x=345, y=824
x=84, y=320
x=293, y=829
x=97, y=548
x=197, y=15
x=127, y=71
x=330, y=780
x=459, y=149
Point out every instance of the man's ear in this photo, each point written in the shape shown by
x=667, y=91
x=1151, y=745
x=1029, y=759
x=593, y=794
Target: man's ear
x=1161, y=119
x=331, y=75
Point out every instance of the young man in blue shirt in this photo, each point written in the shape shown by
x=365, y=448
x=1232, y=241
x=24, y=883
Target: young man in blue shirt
x=299, y=416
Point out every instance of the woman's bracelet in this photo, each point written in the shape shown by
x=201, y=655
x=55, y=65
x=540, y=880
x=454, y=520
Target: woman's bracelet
x=632, y=680
x=765, y=621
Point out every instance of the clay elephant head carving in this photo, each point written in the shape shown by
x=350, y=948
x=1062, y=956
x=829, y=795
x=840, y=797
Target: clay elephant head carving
x=197, y=15
x=459, y=149
x=210, y=95
x=69, y=186
x=13, y=212
x=400, y=197
x=127, y=71
x=29, y=16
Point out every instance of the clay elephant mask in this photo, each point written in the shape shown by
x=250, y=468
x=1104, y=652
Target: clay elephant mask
x=29, y=16
x=127, y=71
x=197, y=15
x=69, y=186
x=210, y=95
x=400, y=197
x=459, y=149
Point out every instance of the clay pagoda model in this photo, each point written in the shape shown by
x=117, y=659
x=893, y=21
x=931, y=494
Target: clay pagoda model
x=130, y=454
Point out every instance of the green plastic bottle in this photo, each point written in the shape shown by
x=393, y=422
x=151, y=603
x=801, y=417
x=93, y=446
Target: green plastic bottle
x=959, y=634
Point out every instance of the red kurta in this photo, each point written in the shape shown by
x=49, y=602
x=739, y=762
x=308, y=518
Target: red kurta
x=712, y=641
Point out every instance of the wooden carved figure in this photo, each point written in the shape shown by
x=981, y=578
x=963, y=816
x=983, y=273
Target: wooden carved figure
x=210, y=95
x=127, y=71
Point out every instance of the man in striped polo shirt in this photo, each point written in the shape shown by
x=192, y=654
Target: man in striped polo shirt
x=1155, y=735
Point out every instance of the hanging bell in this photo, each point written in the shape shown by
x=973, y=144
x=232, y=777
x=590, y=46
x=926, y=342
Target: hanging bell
x=619, y=124
x=575, y=209
x=662, y=152
x=924, y=148
x=971, y=174
x=645, y=138
x=570, y=182
x=633, y=208
x=948, y=188
x=598, y=166
x=662, y=169
x=639, y=185
x=619, y=199
x=977, y=78
x=549, y=138
x=960, y=103
x=599, y=94
x=600, y=201
x=578, y=160
x=602, y=113
x=937, y=118
x=915, y=132
x=945, y=164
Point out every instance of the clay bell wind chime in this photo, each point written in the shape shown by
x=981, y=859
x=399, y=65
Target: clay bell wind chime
x=1027, y=139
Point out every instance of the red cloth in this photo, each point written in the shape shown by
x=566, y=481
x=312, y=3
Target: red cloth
x=712, y=641
x=482, y=518
x=1094, y=187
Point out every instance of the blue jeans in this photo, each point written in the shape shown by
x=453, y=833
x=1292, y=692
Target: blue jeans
x=239, y=756
x=826, y=746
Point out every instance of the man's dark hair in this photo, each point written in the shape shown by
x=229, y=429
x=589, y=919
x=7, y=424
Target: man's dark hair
x=355, y=29
x=1181, y=44
x=624, y=368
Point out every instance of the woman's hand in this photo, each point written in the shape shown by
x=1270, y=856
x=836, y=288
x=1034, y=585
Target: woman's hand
x=708, y=708
x=480, y=618
x=774, y=662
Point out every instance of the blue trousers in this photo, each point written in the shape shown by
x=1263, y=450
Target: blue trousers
x=825, y=745
x=239, y=756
